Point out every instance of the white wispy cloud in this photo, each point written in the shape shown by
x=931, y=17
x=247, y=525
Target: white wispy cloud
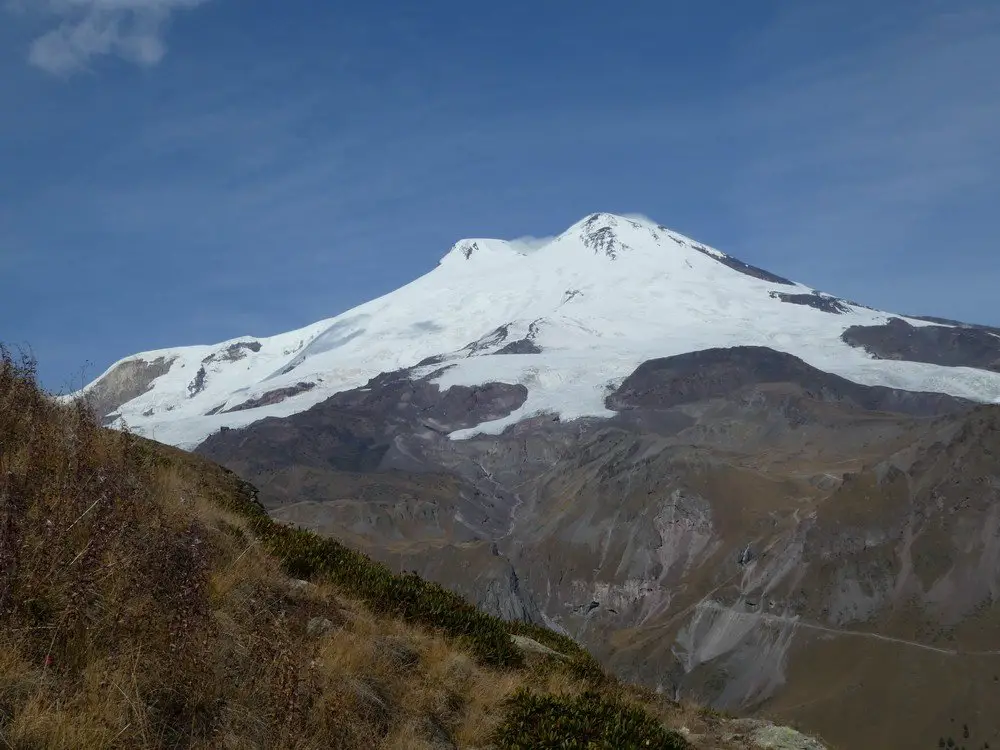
x=639, y=217
x=529, y=243
x=132, y=30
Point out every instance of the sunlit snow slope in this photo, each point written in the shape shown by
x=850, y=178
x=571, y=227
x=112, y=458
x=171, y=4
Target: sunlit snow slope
x=568, y=319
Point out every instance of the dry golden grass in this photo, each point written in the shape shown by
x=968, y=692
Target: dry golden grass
x=137, y=611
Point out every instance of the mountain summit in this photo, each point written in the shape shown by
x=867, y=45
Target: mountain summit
x=573, y=318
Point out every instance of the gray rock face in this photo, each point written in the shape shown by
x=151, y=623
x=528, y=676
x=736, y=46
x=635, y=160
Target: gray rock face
x=745, y=268
x=520, y=346
x=819, y=302
x=599, y=235
x=768, y=736
x=494, y=338
x=502, y=596
x=940, y=345
x=124, y=383
x=393, y=424
x=233, y=352
x=273, y=397
x=958, y=323
x=722, y=373
x=197, y=385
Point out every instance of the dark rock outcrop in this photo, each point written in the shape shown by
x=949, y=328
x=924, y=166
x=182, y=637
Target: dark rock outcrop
x=819, y=302
x=353, y=430
x=598, y=234
x=125, y=382
x=521, y=346
x=524, y=345
x=718, y=373
x=744, y=268
x=197, y=385
x=957, y=323
x=273, y=397
x=494, y=338
x=233, y=352
x=938, y=345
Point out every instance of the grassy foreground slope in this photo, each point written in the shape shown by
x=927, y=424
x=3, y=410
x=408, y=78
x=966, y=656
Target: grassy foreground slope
x=148, y=601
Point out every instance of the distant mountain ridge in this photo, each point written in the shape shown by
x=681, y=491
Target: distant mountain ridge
x=574, y=315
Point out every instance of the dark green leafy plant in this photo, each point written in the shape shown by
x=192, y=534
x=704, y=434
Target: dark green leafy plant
x=589, y=722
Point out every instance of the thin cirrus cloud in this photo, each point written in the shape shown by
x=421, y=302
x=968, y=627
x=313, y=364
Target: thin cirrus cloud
x=132, y=30
x=528, y=243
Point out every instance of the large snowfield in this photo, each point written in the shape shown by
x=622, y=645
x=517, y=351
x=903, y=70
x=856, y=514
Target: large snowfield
x=598, y=300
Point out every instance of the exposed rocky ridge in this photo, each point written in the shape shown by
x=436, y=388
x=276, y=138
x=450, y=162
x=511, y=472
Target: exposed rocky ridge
x=729, y=261
x=598, y=233
x=233, y=352
x=123, y=383
x=524, y=345
x=736, y=539
x=272, y=397
x=817, y=301
x=520, y=346
x=387, y=425
x=197, y=385
x=717, y=373
x=958, y=323
x=964, y=346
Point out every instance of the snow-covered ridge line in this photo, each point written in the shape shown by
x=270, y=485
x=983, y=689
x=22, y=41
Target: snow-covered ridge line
x=563, y=318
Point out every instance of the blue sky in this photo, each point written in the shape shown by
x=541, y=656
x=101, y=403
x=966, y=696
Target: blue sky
x=187, y=171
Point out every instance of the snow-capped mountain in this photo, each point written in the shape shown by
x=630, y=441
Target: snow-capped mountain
x=569, y=321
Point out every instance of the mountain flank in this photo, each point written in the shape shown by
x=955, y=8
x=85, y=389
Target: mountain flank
x=147, y=601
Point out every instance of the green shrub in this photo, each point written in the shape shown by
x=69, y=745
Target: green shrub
x=590, y=722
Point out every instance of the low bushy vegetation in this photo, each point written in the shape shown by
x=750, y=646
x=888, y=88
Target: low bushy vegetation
x=148, y=601
x=590, y=720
